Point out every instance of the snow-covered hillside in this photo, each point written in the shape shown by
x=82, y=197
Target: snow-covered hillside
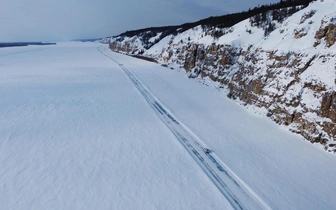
x=284, y=66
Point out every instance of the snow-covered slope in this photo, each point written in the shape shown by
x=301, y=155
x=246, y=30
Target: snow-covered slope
x=136, y=44
x=284, y=66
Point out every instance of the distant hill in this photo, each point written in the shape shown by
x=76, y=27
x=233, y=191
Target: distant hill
x=223, y=21
x=87, y=40
x=23, y=44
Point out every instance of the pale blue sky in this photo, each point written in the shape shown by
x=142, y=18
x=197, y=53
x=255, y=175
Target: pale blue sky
x=58, y=20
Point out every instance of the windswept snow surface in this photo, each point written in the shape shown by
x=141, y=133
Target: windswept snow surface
x=233, y=189
x=76, y=133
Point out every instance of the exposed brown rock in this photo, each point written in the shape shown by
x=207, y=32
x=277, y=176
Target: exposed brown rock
x=331, y=35
x=321, y=32
x=299, y=33
x=265, y=83
x=328, y=32
x=328, y=106
x=307, y=16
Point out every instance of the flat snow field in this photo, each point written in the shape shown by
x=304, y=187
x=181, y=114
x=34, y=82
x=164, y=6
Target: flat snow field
x=76, y=133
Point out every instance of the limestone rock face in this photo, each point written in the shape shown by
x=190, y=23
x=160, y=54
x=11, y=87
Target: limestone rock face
x=275, y=83
x=327, y=32
x=331, y=35
x=296, y=86
x=328, y=106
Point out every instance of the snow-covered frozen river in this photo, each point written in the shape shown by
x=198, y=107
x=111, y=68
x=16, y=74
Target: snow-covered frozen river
x=77, y=133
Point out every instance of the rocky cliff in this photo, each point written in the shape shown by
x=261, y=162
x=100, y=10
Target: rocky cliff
x=286, y=67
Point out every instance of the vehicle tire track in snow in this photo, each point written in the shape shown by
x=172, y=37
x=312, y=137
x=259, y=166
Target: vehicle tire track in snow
x=238, y=194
